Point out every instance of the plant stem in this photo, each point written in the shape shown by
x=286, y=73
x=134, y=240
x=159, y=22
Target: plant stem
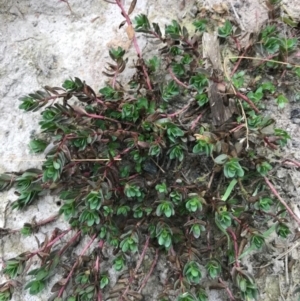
x=75, y=265
x=38, y=224
x=70, y=242
x=194, y=123
x=66, y=1
x=138, y=265
x=248, y=101
x=227, y=289
x=136, y=46
x=238, y=62
x=177, y=80
x=236, y=249
x=150, y=272
x=274, y=191
x=178, y=112
x=102, y=117
x=51, y=243
x=297, y=164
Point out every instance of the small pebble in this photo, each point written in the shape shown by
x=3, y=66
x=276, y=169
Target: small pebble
x=295, y=113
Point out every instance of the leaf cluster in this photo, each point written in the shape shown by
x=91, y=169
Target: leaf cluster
x=119, y=161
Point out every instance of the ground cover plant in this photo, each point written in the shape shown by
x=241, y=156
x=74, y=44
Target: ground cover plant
x=178, y=160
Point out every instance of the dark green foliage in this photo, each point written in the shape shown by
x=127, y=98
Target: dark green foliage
x=139, y=171
x=200, y=25
x=225, y=30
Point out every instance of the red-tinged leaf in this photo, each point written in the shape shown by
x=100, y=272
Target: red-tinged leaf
x=108, y=74
x=143, y=144
x=58, y=285
x=122, y=24
x=132, y=6
x=79, y=110
x=111, y=67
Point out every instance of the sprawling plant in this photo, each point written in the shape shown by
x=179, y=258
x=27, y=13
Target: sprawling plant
x=135, y=173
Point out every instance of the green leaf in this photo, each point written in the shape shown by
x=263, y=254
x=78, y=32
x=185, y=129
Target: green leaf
x=141, y=23
x=192, y=272
x=232, y=168
x=173, y=132
x=226, y=30
x=166, y=208
x=199, y=82
x=221, y=159
x=196, y=229
x=224, y=219
x=37, y=145
x=194, y=203
x=116, y=53
x=161, y=188
x=282, y=230
x=173, y=30
x=202, y=99
x=263, y=168
x=272, y=44
x=238, y=79
x=200, y=25
x=288, y=45
x=170, y=91
x=153, y=64
x=202, y=295
x=213, y=268
x=69, y=84
x=203, y=147
x=229, y=190
x=104, y=281
x=257, y=241
x=176, y=152
x=178, y=69
x=110, y=93
x=118, y=263
x=35, y=287
x=281, y=100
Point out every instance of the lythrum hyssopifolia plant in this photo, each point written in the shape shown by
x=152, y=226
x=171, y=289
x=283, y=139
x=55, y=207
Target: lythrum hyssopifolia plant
x=120, y=162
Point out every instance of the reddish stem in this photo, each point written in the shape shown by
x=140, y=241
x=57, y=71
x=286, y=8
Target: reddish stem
x=138, y=265
x=51, y=243
x=237, y=43
x=136, y=46
x=70, y=242
x=176, y=79
x=227, y=289
x=176, y=113
x=101, y=117
x=74, y=266
x=292, y=162
x=248, y=101
x=274, y=191
x=268, y=142
x=38, y=224
x=150, y=272
x=197, y=119
x=236, y=249
x=238, y=62
x=67, y=2
x=266, y=59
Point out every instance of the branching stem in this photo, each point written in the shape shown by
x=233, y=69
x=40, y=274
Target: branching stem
x=75, y=265
x=135, y=43
x=236, y=249
x=274, y=191
x=150, y=272
x=138, y=265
